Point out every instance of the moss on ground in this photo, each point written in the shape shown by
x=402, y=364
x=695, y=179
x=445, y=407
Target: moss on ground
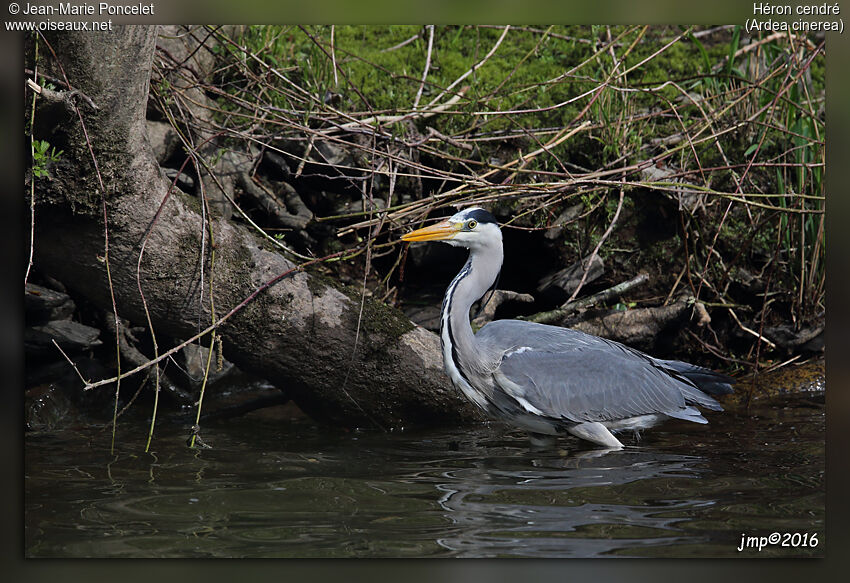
x=538, y=72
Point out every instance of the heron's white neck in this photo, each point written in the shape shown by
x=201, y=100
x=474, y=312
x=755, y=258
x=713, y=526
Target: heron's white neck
x=459, y=345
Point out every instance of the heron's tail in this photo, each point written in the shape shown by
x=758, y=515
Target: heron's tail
x=707, y=381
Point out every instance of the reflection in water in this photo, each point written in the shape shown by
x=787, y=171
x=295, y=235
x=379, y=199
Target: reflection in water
x=571, y=518
x=274, y=490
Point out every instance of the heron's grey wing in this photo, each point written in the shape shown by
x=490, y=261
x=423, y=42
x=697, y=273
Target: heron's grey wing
x=511, y=334
x=695, y=383
x=595, y=383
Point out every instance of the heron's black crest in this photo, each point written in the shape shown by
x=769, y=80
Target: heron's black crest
x=481, y=216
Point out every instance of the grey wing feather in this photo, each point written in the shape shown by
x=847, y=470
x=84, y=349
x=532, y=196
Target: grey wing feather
x=705, y=379
x=591, y=385
x=569, y=374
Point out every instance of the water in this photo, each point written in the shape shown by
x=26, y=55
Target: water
x=292, y=489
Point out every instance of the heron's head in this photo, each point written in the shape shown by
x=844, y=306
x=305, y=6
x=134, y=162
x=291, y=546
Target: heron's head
x=473, y=228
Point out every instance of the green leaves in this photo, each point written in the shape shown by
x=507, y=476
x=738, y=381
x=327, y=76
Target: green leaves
x=43, y=154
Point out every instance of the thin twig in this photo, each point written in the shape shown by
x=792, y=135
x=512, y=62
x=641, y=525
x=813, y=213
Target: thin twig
x=595, y=251
x=750, y=330
x=430, y=28
x=402, y=43
x=71, y=362
x=373, y=121
x=333, y=58
x=32, y=161
x=474, y=68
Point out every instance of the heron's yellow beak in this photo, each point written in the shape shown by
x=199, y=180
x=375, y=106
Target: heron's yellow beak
x=439, y=232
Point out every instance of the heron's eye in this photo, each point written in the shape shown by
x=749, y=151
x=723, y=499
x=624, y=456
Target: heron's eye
x=471, y=224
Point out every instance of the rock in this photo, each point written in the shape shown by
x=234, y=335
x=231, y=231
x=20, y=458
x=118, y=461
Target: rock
x=232, y=169
x=426, y=316
x=639, y=328
x=184, y=182
x=567, y=279
x=688, y=199
x=71, y=336
x=196, y=363
x=163, y=139
x=277, y=166
x=788, y=385
x=807, y=339
x=809, y=377
x=690, y=97
x=332, y=154
x=751, y=283
x=43, y=304
x=569, y=214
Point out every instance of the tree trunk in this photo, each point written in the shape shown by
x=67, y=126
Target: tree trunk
x=305, y=333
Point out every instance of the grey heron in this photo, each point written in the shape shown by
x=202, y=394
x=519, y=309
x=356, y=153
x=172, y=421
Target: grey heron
x=548, y=379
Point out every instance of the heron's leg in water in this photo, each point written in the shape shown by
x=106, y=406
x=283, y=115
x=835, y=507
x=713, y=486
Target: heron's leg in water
x=596, y=433
x=542, y=441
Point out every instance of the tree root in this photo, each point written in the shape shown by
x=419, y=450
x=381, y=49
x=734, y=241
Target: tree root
x=135, y=357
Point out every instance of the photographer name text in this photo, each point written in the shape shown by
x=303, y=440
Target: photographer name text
x=98, y=9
